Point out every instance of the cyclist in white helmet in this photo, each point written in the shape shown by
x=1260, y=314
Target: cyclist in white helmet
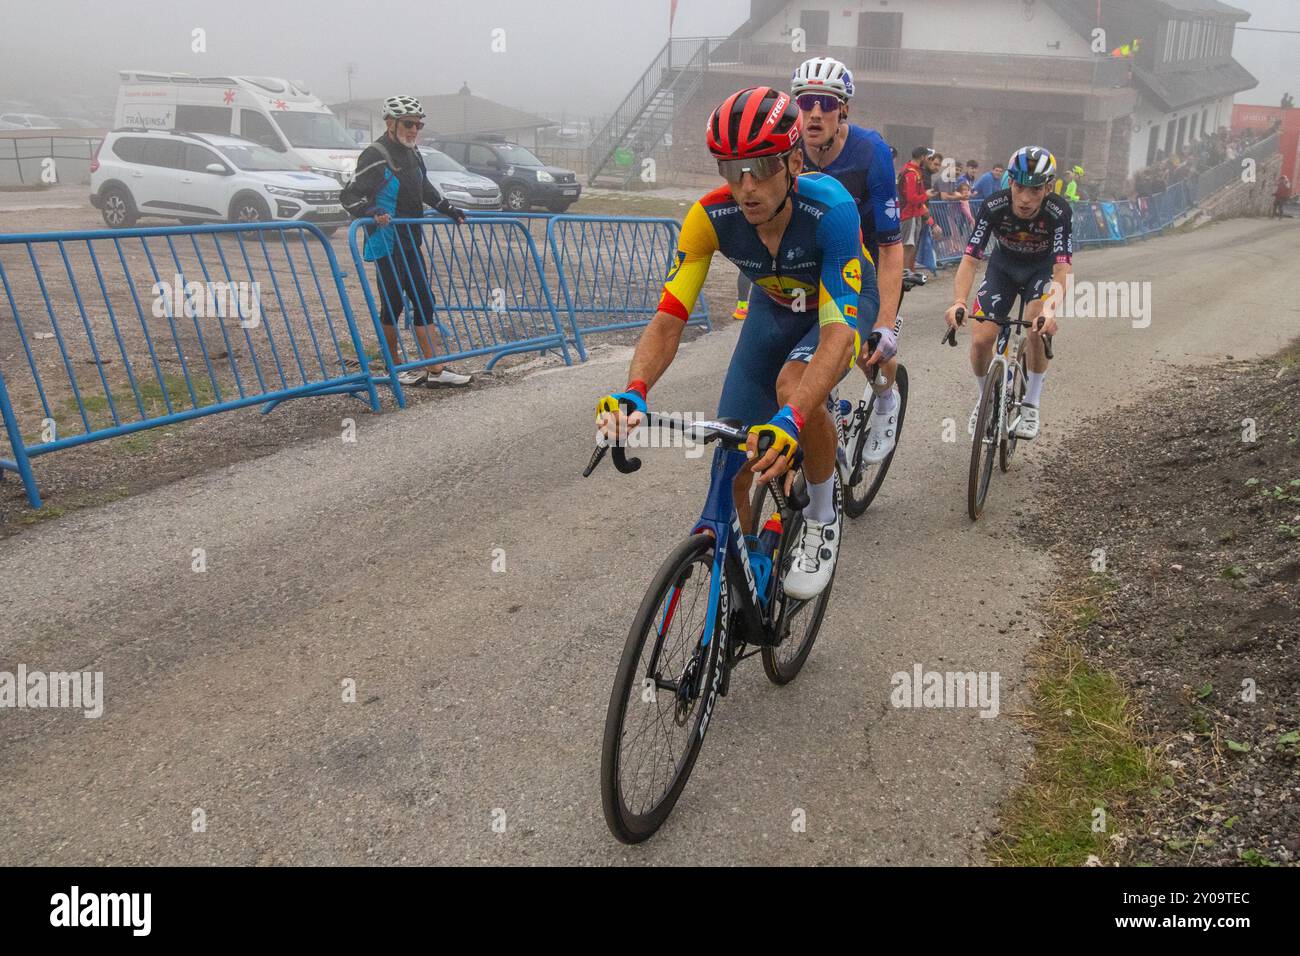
x=862, y=162
x=392, y=183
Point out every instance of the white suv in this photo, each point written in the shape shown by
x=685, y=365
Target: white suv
x=204, y=177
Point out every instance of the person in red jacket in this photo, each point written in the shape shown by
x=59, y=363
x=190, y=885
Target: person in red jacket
x=914, y=201
x=1282, y=196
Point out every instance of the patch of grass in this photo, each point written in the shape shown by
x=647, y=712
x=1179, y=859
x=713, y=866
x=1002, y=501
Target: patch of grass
x=151, y=398
x=1088, y=755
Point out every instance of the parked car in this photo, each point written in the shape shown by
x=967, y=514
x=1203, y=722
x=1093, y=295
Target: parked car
x=28, y=121
x=524, y=179
x=197, y=178
x=462, y=188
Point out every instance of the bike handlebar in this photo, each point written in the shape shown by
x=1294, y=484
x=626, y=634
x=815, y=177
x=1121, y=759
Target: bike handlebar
x=730, y=432
x=950, y=337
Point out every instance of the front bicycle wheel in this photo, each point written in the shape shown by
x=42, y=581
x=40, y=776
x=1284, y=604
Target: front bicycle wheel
x=663, y=695
x=1007, y=446
x=797, y=622
x=864, y=478
x=984, y=444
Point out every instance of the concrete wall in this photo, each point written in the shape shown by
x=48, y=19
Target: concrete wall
x=1247, y=199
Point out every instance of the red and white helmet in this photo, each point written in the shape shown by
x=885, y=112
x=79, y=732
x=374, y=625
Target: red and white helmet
x=760, y=121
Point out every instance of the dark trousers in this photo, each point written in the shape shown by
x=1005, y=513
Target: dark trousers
x=404, y=270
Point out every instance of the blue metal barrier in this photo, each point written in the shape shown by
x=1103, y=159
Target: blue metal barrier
x=490, y=294
x=116, y=331
x=611, y=271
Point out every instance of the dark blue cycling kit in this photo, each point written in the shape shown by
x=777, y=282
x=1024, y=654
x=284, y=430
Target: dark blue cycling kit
x=865, y=168
x=1028, y=251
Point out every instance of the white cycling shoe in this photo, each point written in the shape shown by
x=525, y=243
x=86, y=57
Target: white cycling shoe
x=448, y=377
x=1027, y=428
x=882, y=429
x=814, y=559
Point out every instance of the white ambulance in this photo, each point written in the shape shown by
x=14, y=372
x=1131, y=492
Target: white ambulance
x=276, y=113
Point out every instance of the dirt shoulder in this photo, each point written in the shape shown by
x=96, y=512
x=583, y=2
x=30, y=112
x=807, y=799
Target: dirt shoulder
x=1177, y=526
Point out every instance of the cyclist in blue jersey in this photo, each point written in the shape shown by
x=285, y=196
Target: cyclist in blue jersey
x=863, y=163
x=798, y=239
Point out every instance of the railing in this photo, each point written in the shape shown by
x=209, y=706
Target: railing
x=1006, y=71
x=23, y=155
x=611, y=271
x=1212, y=180
x=492, y=296
x=679, y=58
x=109, y=332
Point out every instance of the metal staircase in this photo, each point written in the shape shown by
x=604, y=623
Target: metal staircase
x=638, y=125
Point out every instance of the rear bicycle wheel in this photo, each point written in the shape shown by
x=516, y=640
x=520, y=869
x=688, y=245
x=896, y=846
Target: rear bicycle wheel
x=663, y=694
x=797, y=622
x=1007, y=446
x=865, y=478
x=984, y=446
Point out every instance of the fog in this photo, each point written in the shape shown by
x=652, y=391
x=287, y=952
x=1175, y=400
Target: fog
x=574, y=56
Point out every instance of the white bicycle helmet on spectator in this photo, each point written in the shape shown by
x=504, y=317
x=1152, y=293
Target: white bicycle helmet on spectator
x=822, y=74
x=396, y=106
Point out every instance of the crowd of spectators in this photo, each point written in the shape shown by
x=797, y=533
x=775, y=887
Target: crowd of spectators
x=1219, y=147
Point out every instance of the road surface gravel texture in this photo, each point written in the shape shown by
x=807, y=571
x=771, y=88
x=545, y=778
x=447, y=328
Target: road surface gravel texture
x=454, y=564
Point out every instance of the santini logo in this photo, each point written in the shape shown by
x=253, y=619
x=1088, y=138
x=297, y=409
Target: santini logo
x=103, y=909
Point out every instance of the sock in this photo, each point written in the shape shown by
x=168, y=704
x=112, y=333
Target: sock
x=1034, y=387
x=979, y=387
x=821, y=501
x=885, y=403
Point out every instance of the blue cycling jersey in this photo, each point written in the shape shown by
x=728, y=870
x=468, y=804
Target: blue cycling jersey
x=865, y=168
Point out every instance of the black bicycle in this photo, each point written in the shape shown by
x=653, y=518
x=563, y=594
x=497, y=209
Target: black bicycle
x=717, y=600
x=1001, y=401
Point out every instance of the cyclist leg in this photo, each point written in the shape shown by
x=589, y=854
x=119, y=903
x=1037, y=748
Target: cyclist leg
x=996, y=295
x=749, y=392
x=1036, y=290
x=811, y=570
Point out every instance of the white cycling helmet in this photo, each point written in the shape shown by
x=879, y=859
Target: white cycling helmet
x=396, y=106
x=822, y=74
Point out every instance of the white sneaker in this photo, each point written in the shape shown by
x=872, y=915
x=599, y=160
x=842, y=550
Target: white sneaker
x=448, y=377
x=814, y=560
x=1027, y=428
x=415, y=376
x=882, y=430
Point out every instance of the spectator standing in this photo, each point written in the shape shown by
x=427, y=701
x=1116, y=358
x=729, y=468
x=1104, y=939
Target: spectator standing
x=391, y=182
x=1282, y=196
x=988, y=184
x=913, y=197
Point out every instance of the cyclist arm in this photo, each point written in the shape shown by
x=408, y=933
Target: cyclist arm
x=658, y=344
x=889, y=235
x=965, y=280
x=1063, y=254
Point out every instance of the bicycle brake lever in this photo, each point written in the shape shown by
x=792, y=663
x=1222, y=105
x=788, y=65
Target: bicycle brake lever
x=596, y=456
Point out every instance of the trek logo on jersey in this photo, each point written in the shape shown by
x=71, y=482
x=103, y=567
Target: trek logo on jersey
x=853, y=274
x=672, y=273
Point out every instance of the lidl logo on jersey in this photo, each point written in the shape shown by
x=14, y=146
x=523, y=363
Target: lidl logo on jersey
x=672, y=273
x=853, y=274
